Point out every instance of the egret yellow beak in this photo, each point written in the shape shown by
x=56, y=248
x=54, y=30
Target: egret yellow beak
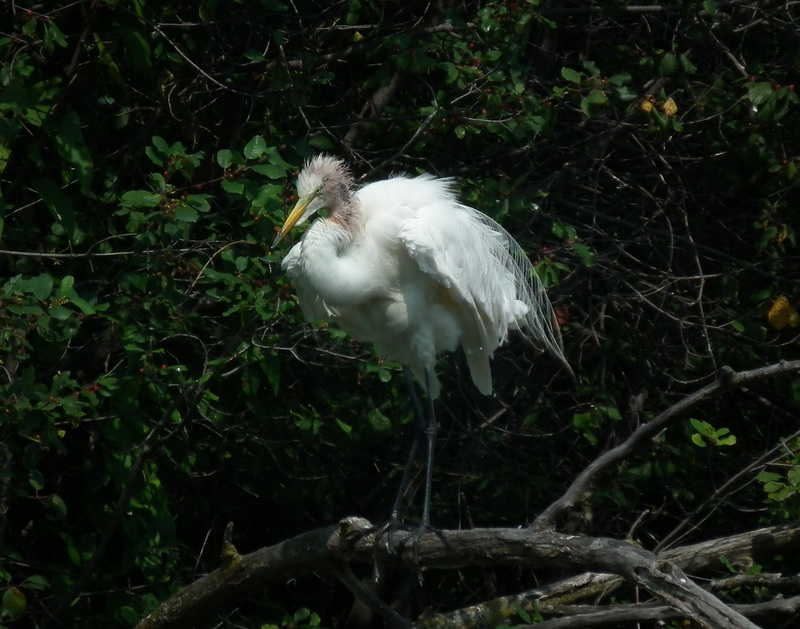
x=294, y=216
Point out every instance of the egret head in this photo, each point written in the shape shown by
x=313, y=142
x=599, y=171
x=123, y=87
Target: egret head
x=324, y=182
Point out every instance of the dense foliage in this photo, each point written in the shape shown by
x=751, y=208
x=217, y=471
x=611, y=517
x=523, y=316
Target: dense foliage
x=158, y=380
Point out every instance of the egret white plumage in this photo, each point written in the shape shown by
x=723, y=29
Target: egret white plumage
x=403, y=264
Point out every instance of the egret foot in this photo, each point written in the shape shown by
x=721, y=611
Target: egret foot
x=414, y=538
x=386, y=532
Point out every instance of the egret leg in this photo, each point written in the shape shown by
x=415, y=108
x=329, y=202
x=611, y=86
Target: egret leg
x=430, y=429
x=420, y=426
x=430, y=432
x=426, y=428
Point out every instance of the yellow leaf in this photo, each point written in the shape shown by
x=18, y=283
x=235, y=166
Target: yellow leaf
x=794, y=318
x=780, y=314
x=783, y=232
x=669, y=108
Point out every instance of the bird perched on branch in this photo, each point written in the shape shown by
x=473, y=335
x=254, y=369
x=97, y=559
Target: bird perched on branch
x=403, y=264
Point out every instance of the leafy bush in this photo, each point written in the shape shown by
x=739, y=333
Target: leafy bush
x=159, y=378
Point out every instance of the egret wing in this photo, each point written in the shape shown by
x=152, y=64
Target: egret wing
x=485, y=271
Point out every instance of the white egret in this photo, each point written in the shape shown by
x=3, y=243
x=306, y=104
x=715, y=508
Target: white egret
x=402, y=264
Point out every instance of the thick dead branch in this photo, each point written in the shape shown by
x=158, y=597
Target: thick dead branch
x=353, y=541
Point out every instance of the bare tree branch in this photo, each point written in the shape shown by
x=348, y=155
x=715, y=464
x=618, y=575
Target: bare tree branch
x=353, y=540
x=728, y=380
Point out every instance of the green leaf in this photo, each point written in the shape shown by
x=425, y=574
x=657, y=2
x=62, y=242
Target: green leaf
x=321, y=143
x=591, y=68
x=85, y=307
x=269, y=170
x=625, y=94
x=41, y=286
x=570, y=75
x=686, y=65
x=698, y=440
x=669, y=65
x=593, y=103
x=140, y=198
x=759, y=93
x=199, y=202
x=232, y=186
x=25, y=309
x=128, y=615
x=585, y=253
x=162, y=145
x=346, y=428
x=255, y=148
x=36, y=479
x=36, y=582
x=67, y=283
x=224, y=158
x=274, y=157
x=186, y=213
x=620, y=79
x=378, y=421
x=53, y=36
x=14, y=602
x=725, y=562
x=793, y=476
x=60, y=313
x=522, y=613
